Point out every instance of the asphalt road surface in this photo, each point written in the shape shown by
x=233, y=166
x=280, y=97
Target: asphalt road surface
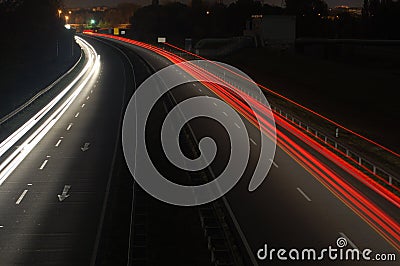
x=291, y=209
x=36, y=228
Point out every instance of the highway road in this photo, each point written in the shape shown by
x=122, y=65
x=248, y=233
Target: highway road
x=51, y=206
x=292, y=209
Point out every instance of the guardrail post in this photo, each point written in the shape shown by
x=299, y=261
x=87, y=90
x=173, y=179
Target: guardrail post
x=374, y=169
x=390, y=180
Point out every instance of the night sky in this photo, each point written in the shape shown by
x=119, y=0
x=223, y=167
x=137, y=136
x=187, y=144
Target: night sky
x=85, y=3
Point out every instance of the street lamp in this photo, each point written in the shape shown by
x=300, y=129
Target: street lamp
x=66, y=19
x=59, y=13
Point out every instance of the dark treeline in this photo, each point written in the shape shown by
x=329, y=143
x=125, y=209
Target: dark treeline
x=31, y=30
x=200, y=20
x=380, y=19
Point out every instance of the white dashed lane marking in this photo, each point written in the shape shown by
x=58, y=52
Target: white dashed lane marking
x=21, y=197
x=252, y=141
x=58, y=143
x=304, y=194
x=43, y=164
x=272, y=161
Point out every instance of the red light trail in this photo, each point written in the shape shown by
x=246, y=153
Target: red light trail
x=354, y=199
x=297, y=104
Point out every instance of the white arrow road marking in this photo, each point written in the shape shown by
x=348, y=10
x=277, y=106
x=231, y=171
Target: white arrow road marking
x=43, y=164
x=85, y=146
x=304, y=194
x=64, y=194
x=21, y=197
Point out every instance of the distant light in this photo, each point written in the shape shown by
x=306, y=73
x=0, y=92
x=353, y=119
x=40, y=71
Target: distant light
x=161, y=39
x=208, y=12
x=67, y=26
x=92, y=21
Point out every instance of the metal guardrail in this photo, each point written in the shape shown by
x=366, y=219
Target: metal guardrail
x=332, y=142
x=343, y=149
x=327, y=139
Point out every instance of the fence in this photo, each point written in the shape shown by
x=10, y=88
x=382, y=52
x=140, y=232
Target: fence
x=342, y=149
x=333, y=142
x=328, y=140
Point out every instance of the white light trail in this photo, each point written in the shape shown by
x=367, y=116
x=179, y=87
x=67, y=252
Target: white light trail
x=17, y=156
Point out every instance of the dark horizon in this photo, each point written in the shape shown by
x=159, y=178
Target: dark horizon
x=90, y=3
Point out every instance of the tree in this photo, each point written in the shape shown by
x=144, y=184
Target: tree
x=380, y=18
